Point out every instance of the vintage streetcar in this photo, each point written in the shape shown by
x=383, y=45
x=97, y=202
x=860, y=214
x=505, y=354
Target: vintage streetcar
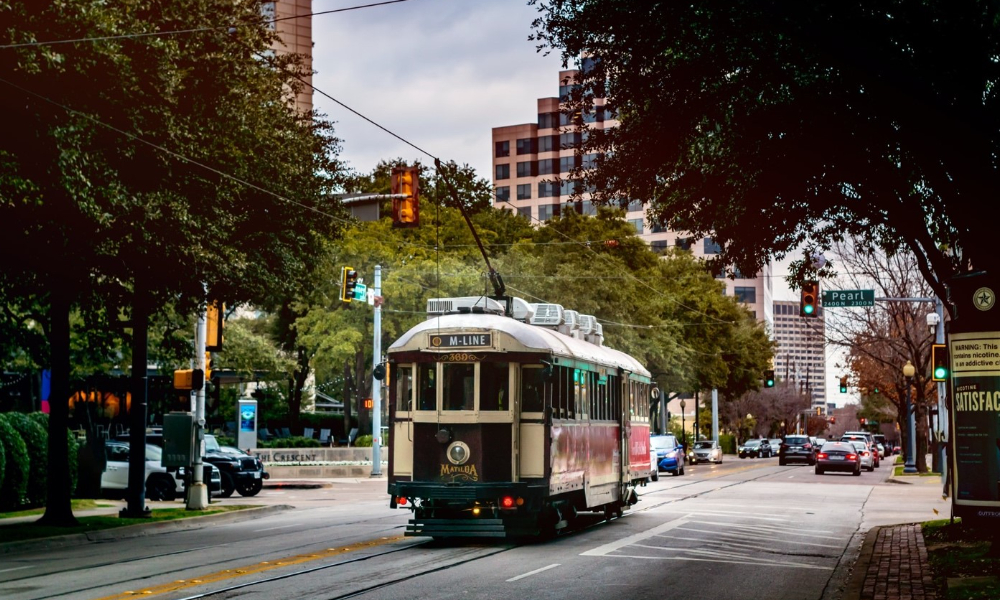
x=508, y=426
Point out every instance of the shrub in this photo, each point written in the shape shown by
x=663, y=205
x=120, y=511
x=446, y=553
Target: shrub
x=15, y=481
x=363, y=441
x=728, y=443
x=3, y=464
x=225, y=440
x=290, y=442
x=72, y=447
x=36, y=439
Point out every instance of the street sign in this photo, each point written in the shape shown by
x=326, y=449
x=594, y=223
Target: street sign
x=847, y=298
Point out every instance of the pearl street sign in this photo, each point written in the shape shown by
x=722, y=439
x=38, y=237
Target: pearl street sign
x=845, y=298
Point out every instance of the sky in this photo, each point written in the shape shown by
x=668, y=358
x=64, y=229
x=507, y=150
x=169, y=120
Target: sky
x=441, y=74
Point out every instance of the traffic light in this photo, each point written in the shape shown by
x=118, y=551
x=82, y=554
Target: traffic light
x=213, y=326
x=939, y=361
x=189, y=379
x=769, y=379
x=808, y=304
x=819, y=411
x=348, y=281
x=405, y=210
x=843, y=385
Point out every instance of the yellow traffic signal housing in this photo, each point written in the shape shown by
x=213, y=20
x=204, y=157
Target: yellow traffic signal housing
x=348, y=280
x=406, y=210
x=189, y=379
x=809, y=300
x=213, y=323
x=940, y=367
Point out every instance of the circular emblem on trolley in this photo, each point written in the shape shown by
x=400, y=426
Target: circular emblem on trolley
x=435, y=341
x=984, y=298
x=458, y=453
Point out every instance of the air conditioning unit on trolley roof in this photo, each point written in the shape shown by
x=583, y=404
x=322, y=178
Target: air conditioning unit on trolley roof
x=587, y=323
x=571, y=323
x=522, y=310
x=463, y=304
x=546, y=315
x=596, y=337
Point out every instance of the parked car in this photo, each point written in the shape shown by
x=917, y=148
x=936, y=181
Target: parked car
x=669, y=453
x=653, y=459
x=706, y=451
x=160, y=484
x=755, y=449
x=796, y=448
x=241, y=472
x=838, y=456
x=880, y=439
x=775, y=445
x=867, y=459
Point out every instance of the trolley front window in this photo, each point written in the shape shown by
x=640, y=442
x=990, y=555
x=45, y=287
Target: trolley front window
x=493, y=388
x=403, y=384
x=459, y=386
x=427, y=390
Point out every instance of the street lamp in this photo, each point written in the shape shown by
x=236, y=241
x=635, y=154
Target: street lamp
x=684, y=438
x=911, y=443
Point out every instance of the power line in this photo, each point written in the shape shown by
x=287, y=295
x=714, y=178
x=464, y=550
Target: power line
x=228, y=28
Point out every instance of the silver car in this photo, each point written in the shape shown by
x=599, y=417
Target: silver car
x=706, y=451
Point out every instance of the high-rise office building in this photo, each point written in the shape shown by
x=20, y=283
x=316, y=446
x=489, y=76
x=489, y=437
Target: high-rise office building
x=801, y=354
x=527, y=157
x=296, y=37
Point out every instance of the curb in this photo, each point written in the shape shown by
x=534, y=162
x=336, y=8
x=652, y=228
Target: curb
x=856, y=583
x=138, y=530
x=297, y=485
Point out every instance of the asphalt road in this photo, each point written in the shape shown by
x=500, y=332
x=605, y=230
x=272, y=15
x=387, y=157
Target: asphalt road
x=742, y=529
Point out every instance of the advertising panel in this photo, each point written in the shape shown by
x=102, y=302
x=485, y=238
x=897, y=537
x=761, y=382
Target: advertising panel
x=246, y=416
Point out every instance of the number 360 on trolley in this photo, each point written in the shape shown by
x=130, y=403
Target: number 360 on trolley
x=509, y=426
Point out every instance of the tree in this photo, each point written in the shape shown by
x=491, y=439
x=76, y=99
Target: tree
x=131, y=174
x=774, y=125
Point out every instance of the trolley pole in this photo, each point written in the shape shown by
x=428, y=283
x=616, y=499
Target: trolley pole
x=376, y=383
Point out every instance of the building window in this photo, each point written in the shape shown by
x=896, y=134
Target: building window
x=526, y=169
x=568, y=141
x=524, y=211
x=503, y=193
x=268, y=12
x=503, y=149
x=548, y=120
x=746, y=295
x=548, y=143
x=546, y=167
x=712, y=247
x=568, y=188
x=634, y=205
x=589, y=208
x=684, y=243
x=547, y=189
x=658, y=246
x=503, y=171
x=524, y=191
x=566, y=91
x=637, y=223
x=567, y=164
x=590, y=161
x=547, y=211
x=526, y=146
x=655, y=228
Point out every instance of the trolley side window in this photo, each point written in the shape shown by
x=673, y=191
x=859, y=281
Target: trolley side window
x=403, y=387
x=427, y=382
x=532, y=389
x=459, y=386
x=494, y=381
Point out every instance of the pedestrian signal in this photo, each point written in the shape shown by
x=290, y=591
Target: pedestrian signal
x=939, y=362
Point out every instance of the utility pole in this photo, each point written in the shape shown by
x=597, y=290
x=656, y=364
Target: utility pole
x=715, y=414
x=197, y=498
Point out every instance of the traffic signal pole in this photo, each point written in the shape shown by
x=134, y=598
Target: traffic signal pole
x=197, y=494
x=377, y=383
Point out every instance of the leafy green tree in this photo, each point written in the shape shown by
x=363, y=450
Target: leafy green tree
x=772, y=125
x=132, y=173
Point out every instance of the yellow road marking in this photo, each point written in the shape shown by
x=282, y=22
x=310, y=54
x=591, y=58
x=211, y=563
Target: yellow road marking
x=260, y=567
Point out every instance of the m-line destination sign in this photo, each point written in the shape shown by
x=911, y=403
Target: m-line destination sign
x=847, y=298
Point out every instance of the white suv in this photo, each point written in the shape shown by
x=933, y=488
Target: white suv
x=160, y=484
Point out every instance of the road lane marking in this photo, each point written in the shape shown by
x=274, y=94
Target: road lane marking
x=278, y=527
x=729, y=562
x=739, y=542
x=530, y=573
x=715, y=553
x=638, y=537
x=723, y=513
x=15, y=568
x=181, y=584
x=765, y=529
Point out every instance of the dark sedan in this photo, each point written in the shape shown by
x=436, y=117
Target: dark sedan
x=838, y=456
x=796, y=447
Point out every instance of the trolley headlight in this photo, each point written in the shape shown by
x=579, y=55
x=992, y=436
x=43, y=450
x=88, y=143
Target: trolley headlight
x=458, y=453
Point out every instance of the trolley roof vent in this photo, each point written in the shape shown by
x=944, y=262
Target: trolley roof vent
x=464, y=304
x=523, y=311
x=587, y=323
x=547, y=315
x=597, y=335
x=571, y=323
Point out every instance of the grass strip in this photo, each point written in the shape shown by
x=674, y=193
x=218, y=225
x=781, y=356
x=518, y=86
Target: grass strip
x=965, y=560
x=17, y=532
x=77, y=504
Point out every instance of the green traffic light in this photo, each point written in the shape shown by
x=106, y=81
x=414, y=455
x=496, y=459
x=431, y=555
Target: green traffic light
x=808, y=309
x=940, y=372
x=770, y=383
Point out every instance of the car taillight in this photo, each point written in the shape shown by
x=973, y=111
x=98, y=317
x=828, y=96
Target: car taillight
x=864, y=454
x=507, y=502
x=821, y=455
x=784, y=446
x=852, y=457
